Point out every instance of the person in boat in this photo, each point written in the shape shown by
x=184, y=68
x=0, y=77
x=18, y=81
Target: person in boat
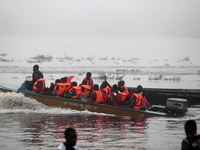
x=116, y=96
x=144, y=103
x=36, y=71
x=123, y=89
x=71, y=139
x=39, y=85
x=61, y=87
x=73, y=92
x=89, y=79
x=95, y=95
x=84, y=87
x=192, y=140
x=106, y=91
x=29, y=84
x=52, y=86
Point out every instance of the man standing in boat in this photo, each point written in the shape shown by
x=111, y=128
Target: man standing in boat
x=192, y=140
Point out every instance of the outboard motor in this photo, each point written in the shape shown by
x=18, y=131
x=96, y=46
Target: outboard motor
x=176, y=106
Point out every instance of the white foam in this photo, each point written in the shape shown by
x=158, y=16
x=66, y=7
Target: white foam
x=17, y=103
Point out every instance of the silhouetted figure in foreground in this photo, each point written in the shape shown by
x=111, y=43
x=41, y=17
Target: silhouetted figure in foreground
x=71, y=138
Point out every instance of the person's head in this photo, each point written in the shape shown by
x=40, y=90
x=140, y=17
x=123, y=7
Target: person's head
x=57, y=81
x=70, y=136
x=121, y=83
x=37, y=76
x=88, y=75
x=84, y=82
x=145, y=92
x=35, y=67
x=115, y=88
x=190, y=127
x=139, y=89
x=62, y=80
x=103, y=85
x=96, y=87
x=73, y=84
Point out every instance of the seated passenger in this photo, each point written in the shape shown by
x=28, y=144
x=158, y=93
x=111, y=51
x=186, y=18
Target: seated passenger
x=144, y=104
x=73, y=92
x=61, y=87
x=52, y=86
x=116, y=96
x=84, y=87
x=136, y=100
x=89, y=79
x=95, y=95
x=106, y=91
x=123, y=89
x=39, y=85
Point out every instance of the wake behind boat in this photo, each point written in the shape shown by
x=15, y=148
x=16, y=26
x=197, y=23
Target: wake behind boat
x=174, y=106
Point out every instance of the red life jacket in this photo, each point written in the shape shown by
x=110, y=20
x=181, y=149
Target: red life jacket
x=118, y=96
x=69, y=80
x=123, y=96
x=99, y=97
x=88, y=81
x=138, y=100
x=78, y=91
x=106, y=97
x=60, y=88
x=86, y=87
x=35, y=85
x=127, y=92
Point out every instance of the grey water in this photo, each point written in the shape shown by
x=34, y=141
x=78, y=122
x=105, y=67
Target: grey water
x=27, y=124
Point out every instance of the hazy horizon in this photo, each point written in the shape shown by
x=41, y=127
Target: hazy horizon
x=100, y=18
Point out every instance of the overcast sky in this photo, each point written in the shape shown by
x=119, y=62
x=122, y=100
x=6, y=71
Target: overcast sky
x=144, y=18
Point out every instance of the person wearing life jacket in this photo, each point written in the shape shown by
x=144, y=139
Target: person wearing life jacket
x=116, y=96
x=39, y=85
x=84, y=87
x=106, y=91
x=123, y=89
x=89, y=79
x=192, y=140
x=60, y=88
x=95, y=95
x=73, y=92
x=136, y=100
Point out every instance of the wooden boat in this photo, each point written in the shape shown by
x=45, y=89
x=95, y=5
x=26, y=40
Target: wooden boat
x=154, y=111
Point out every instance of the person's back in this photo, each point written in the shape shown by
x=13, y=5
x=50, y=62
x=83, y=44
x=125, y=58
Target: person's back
x=95, y=95
x=192, y=140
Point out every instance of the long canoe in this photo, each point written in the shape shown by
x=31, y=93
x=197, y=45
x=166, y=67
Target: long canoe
x=83, y=105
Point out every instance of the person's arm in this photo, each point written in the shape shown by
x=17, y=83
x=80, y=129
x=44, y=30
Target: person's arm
x=92, y=96
x=184, y=145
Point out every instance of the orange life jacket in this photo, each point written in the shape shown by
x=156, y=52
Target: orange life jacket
x=35, y=85
x=99, y=97
x=107, y=90
x=88, y=81
x=69, y=79
x=78, y=91
x=138, y=100
x=60, y=88
x=127, y=92
x=123, y=96
x=86, y=87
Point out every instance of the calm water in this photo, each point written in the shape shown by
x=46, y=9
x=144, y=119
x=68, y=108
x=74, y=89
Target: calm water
x=27, y=124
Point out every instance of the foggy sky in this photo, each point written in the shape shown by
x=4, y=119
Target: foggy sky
x=145, y=18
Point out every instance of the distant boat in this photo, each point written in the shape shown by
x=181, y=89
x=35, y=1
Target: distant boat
x=174, y=107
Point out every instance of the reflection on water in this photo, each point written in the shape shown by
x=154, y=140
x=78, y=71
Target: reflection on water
x=43, y=131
